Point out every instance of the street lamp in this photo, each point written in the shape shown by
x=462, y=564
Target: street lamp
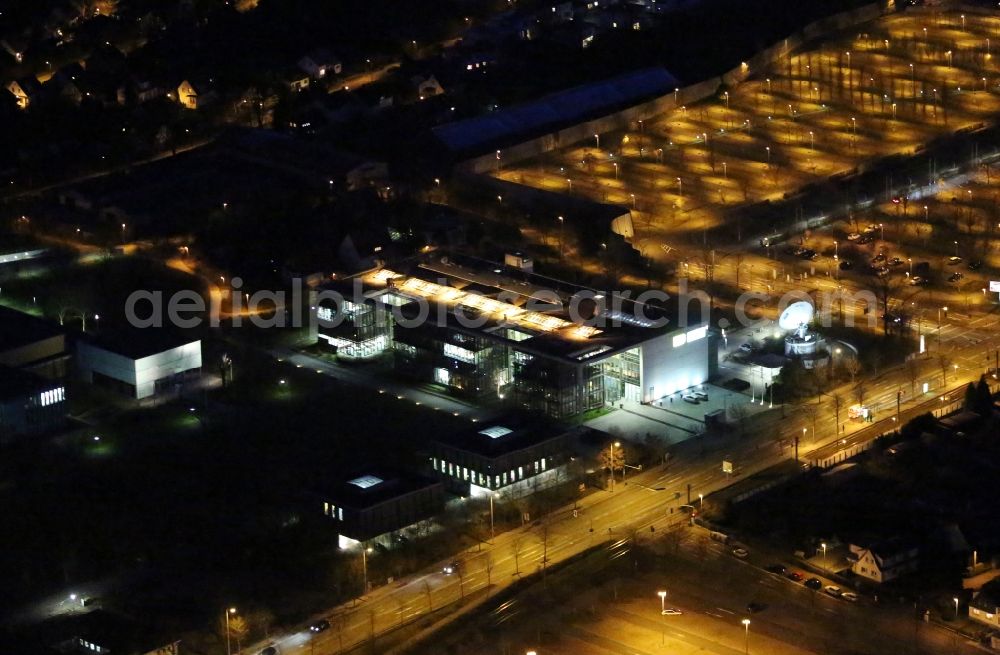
x=614, y=444
x=663, y=616
x=823, y=546
x=493, y=535
x=597, y=140
x=231, y=610
x=680, y=187
x=701, y=501
x=560, y=236
x=364, y=564
x=955, y=599
x=663, y=600
x=746, y=627
x=768, y=148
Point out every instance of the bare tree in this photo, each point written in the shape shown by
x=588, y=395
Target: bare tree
x=853, y=366
x=430, y=600
x=838, y=402
x=912, y=368
x=517, y=547
x=741, y=413
x=488, y=566
x=944, y=362
x=860, y=390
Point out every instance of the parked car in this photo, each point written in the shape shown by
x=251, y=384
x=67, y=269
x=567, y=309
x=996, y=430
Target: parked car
x=952, y=261
x=671, y=611
x=895, y=261
x=833, y=590
x=794, y=576
x=777, y=569
x=270, y=650
x=871, y=228
x=700, y=395
x=849, y=596
x=741, y=553
x=882, y=271
x=814, y=583
x=866, y=238
x=319, y=626
x=975, y=264
x=879, y=258
x=690, y=398
x=846, y=264
x=853, y=236
x=955, y=277
x=808, y=253
x=755, y=606
x=917, y=281
x=746, y=347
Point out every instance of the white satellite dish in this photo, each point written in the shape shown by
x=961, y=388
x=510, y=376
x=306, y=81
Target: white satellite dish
x=796, y=315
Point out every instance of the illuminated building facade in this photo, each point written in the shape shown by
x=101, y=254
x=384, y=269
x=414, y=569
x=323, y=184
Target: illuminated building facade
x=487, y=332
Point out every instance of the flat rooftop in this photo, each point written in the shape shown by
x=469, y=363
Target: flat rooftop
x=374, y=486
x=543, y=316
x=15, y=383
x=18, y=329
x=505, y=435
x=137, y=343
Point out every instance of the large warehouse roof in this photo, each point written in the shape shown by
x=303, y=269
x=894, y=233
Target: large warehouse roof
x=522, y=122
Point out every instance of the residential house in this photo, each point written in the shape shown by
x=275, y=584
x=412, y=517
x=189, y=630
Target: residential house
x=139, y=89
x=320, y=64
x=560, y=13
x=887, y=560
x=294, y=79
x=426, y=86
x=70, y=83
x=26, y=90
x=985, y=605
x=15, y=45
x=196, y=94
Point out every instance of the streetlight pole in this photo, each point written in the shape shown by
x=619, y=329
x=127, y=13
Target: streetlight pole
x=560, y=237
x=663, y=616
x=493, y=535
x=364, y=565
x=613, y=444
x=746, y=642
x=231, y=610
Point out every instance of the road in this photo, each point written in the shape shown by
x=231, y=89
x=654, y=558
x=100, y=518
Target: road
x=650, y=499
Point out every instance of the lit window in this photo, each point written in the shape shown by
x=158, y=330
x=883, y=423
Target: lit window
x=679, y=340
x=461, y=354
x=698, y=333
x=324, y=314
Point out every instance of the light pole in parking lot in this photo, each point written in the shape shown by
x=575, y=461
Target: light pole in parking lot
x=746, y=641
x=823, y=546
